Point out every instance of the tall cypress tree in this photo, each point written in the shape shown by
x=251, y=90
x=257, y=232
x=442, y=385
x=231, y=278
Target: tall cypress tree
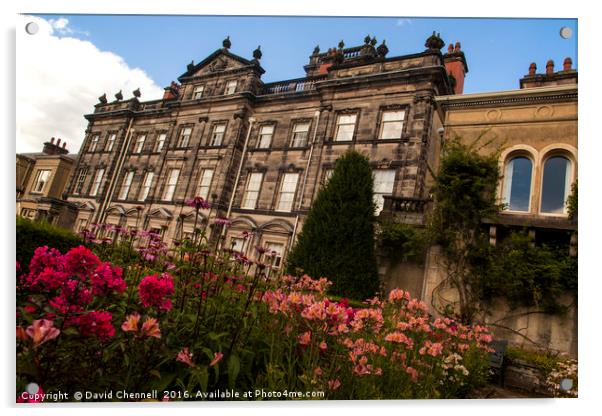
x=337, y=240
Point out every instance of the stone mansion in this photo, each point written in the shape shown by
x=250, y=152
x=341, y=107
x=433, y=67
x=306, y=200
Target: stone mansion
x=259, y=152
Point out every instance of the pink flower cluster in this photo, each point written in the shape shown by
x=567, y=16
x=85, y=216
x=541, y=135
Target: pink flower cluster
x=96, y=323
x=155, y=290
x=70, y=283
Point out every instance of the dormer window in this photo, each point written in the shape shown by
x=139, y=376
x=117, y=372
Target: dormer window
x=197, y=93
x=230, y=87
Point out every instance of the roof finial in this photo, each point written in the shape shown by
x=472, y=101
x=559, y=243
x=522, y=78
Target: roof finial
x=103, y=98
x=434, y=42
x=119, y=96
x=373, y=41
x=341, y=44
x=316, y=50
x=382, y=49
x=137, y=93
x=367, y=39
x=226, y=43
x=257, y=53
x=190, y=66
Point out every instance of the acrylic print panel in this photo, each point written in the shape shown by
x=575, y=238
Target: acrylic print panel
x=150, y=268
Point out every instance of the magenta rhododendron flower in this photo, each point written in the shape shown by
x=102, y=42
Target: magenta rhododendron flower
x=185, y=356
x=42, y=330
x=154, y=291
x=150, y=328
x=107, y=279
x=131, y=323
x=96, y=323
x=217, y=357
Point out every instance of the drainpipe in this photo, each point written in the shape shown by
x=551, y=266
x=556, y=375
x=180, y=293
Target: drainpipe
x=242, y=160
x=317, y=115
x=120, y=161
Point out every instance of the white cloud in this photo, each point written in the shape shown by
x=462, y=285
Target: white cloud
x=59, y=79
x=403, y=22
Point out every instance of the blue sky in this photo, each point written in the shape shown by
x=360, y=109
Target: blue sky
x=498, y=50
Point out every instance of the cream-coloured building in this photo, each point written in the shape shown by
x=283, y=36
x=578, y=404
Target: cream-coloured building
x=42, y=179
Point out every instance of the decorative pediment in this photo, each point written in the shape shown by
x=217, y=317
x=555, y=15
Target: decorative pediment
x=161, y=213
x=86, y=206
x=219, y=61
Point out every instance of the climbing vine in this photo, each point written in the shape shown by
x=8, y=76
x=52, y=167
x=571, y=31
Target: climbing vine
x=516, y=269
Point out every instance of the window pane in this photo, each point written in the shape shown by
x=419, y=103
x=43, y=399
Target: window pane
x=517, y=184
x=161, y=141
x=275, y=251
x=393, y=115
x=556, y=176
x=252, y=192
x=287, y=192
x=265, y=136
x=205, y=183
x=384, y=180
x=345, y=127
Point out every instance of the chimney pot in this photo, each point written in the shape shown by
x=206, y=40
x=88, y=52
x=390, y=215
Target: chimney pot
x=450, y=48
x=64, y=144
x=457, y=47
x=532, y=68
x=567, y=64
x=58, y=142
x=52, y=140
x=550, y=67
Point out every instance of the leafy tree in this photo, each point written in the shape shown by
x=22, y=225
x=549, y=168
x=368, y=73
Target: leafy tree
x=337, y=240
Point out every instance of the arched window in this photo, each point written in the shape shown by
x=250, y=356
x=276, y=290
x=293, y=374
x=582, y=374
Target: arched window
x=556, y=185
x=517, y=184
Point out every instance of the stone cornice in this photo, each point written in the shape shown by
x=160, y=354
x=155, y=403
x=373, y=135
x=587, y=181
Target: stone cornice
x=512, y=97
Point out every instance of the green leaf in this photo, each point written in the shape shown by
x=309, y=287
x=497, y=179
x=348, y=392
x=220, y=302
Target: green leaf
x=233, y=370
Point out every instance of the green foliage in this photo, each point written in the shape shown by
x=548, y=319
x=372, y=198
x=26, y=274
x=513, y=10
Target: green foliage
x=515, y=270
x=34, y=234
x=337, y=240
x=402, y=241
x=544, y=360
x=524, y=274
x=572, y=201
x=465, y=195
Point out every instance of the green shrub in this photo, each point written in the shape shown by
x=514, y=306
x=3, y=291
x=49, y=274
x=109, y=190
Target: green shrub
x=337, y=240
x=34, y=234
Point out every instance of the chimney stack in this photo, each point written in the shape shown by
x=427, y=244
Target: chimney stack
x=532, y=68
x=456, y=66
x=52, y=148
x=567, y=75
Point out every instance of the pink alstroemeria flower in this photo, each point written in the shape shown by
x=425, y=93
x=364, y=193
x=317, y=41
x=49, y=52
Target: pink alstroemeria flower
x=217, y=356
x=150, y=328
x=185, y=356
x=131, y=323
x=42, y=330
